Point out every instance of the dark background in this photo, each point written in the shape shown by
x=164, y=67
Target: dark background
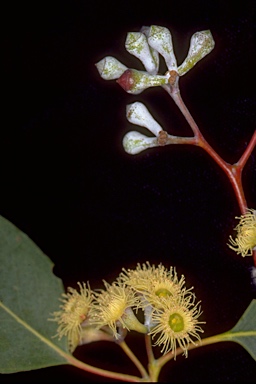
x=93, y=209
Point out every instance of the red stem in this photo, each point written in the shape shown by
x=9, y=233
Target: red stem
x=233, y=172
x=243, y=159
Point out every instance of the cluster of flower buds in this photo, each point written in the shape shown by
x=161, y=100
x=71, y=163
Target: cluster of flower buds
x=147, y=45
x=170, y=312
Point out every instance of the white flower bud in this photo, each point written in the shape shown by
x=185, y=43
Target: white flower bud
x=110, y=68
x=154, y=53
x=137, y=45
x=134, y=142
x=160, y=39
x=201, y=44
x=137, y=113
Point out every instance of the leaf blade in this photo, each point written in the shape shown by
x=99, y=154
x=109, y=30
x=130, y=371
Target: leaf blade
x=244, y=332
x=29, y=292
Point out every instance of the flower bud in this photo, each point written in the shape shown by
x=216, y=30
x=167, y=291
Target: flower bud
x=132, y=323
x=160, y=39
x=145, y=30
x=134, y=142
x=133, y=81
x=201, y=44
x=110, y=68
x=90, y=334
x=137, y=45
x=137, y=113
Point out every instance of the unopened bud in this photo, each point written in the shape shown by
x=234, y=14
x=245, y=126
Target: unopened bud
x=137, y=113
x=145, y=30
x=90, y=334
x=132, y=323
x=160, y=39
x=134, y=142
x=137, y=45
x=133, y=81
x=201, y=44
x=110, y=68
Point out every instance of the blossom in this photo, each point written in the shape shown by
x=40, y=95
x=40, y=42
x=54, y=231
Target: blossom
x=154, y=285
x=176, y=324
x=245, y=240
x=154, y=282
x=113, y=308
x=74, y=311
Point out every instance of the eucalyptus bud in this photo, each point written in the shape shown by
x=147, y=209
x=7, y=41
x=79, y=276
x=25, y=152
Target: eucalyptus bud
x=131, y=322
x=137, y=45
x=135, y=142
x=110, y=68
x=145, y=30
x=201, y=44
x=137, y=113
x=133, y=81
x=160, y=39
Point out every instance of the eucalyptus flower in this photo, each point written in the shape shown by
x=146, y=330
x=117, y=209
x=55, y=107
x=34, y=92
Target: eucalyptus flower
x=245, y=240
x=154, y=282
x=74, y=311
x=113, y=308
x=177, y=324
x=154, y=285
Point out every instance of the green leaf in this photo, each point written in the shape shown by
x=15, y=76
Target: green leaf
x=29, y=293
x=244, y=332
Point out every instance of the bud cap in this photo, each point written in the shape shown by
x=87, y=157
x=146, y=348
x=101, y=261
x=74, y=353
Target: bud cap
x=110, y=68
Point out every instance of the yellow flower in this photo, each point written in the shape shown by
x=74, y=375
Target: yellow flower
x=74, y=311
x=112, y=308
x=245, y=240
x=154, y=283
x=176, y=323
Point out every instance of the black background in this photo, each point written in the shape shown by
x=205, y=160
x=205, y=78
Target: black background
x=93, y=209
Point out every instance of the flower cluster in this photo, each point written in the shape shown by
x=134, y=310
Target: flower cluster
x=170, y=312
x=245, y=240
x=148, y=45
